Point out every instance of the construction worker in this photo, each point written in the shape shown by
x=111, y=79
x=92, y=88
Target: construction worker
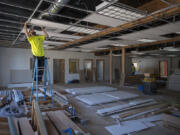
x=36, y=42
x=133, y=69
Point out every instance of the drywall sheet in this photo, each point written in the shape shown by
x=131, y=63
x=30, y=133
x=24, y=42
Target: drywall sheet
x=133, y=125
x=101, y=98
x=94, y=99
x=20, y=76
x=118, y=108
x=121, y=95
x=89, y=90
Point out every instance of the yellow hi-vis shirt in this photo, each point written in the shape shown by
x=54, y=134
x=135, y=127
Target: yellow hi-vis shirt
x=37, y=44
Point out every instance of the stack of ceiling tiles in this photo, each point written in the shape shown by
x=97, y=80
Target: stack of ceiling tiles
x=89, y=90
x=106, y=97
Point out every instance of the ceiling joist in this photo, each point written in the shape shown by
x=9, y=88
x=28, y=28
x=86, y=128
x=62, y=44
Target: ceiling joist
x=162, y=14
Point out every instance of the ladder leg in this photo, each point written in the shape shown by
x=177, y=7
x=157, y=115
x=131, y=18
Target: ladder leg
x=50, y=83
x=36, y=79
x=34, y=70
x=45, y=77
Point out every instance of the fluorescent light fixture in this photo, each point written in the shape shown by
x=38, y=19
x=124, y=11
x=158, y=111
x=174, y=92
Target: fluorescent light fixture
x=146, y=40
x=119, y=45
x=49, y=24
x=155, y=54
x=83, y=30
x=123, y=14
x=172, y=55
x=136, y=52
x=171, y=49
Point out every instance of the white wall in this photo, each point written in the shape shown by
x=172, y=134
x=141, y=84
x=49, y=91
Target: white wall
x=19, y=59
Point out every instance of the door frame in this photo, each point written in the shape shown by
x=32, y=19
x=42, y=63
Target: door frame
x=103, y=69
x=92, y=68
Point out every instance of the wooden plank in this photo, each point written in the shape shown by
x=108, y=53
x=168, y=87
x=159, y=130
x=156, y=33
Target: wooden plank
x=171, y=120
x=58, y=124
x=62, y=122
x=123, y=74
x=142, y=45
x=68, y=122
x=147, y=19
x=50, y=128
x=110, y=66
x=39, y=119
x=25, y=127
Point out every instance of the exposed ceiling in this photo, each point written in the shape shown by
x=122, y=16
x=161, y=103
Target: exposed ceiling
x=71, y=20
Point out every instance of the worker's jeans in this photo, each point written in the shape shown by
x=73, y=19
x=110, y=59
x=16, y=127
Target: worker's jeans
x=40, y=67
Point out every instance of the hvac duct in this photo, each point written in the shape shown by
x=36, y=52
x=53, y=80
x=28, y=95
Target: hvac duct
x=54, y=8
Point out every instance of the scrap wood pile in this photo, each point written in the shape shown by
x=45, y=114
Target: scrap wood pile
x=39, y=117
x=48, y=123
x=140, y=114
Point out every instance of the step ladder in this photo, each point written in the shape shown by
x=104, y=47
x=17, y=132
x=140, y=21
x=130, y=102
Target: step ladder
x=46, y=87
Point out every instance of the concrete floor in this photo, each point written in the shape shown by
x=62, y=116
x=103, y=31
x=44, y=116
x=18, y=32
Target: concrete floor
x=97, y=123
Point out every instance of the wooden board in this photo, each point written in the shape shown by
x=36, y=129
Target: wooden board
x=39, y=119
x=50, y=128
x=63, y=122
x=25, y=126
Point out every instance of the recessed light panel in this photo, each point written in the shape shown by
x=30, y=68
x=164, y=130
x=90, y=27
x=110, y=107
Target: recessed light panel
x=146, y=40
x=83, y=30
x=120, y=13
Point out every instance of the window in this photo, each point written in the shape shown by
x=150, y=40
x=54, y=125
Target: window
x=73, y=66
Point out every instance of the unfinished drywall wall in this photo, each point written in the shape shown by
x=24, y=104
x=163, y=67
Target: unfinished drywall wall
x=151, y=64
x=19, y=59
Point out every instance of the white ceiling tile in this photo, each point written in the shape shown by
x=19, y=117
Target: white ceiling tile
x=98, y=44
x=100, y=19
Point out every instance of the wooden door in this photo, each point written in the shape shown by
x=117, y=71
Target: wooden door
x=88, y=69
x=59, y=70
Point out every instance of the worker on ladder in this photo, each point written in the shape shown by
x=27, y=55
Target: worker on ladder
x=36, y=42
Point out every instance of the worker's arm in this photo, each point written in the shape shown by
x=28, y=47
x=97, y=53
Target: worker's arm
x=26, y=30
x=45, y=33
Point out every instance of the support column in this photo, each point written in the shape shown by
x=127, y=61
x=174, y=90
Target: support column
x=110, y=66
x=123, y=63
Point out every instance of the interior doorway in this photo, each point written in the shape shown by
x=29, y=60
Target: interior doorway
x=88, y=70
x=100, y=70
x=59, y=70
x=163, y=67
